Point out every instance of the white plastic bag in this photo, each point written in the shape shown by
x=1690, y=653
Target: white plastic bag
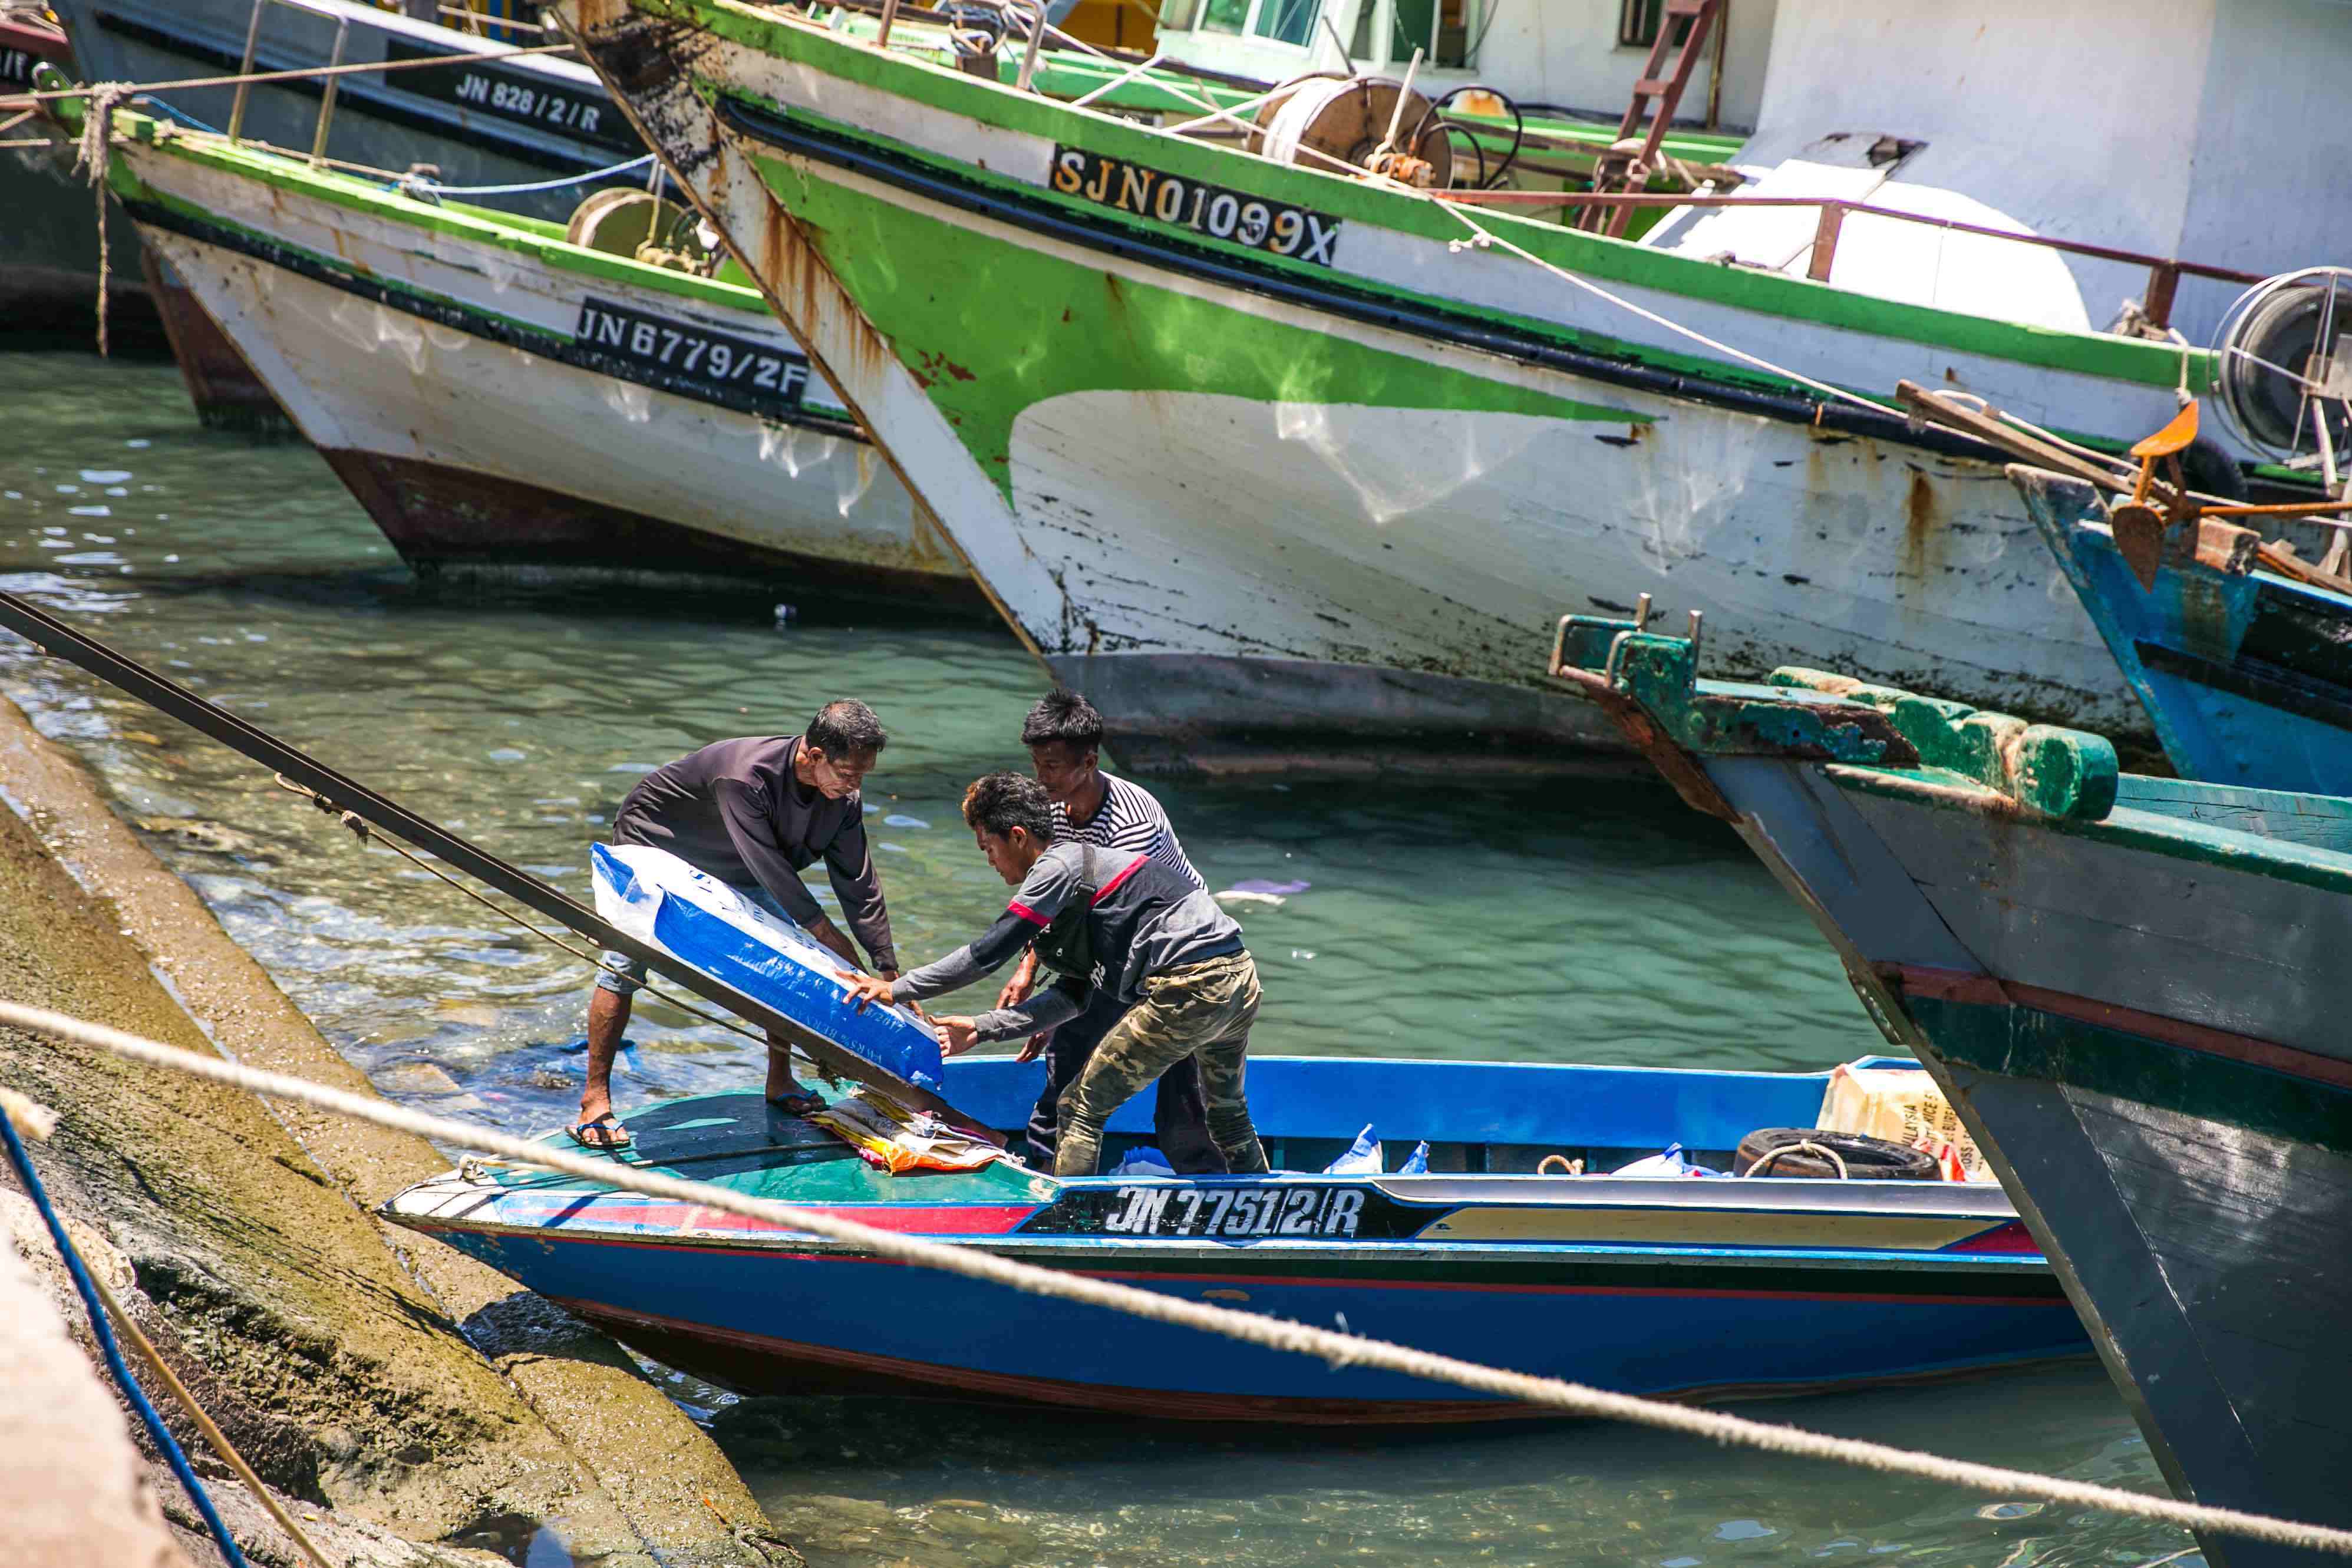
x=1363, y=1158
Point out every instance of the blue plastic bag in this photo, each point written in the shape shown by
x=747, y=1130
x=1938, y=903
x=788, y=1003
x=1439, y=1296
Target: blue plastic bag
x=1417, y=1161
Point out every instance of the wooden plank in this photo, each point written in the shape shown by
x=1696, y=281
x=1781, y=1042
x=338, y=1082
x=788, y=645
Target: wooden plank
x=2005, y=437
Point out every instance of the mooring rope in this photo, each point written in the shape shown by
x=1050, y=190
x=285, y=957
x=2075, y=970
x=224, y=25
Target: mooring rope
x=300, y=73
x=367, y=835
x=438, y=189
x=93, y=156
x=1338, y=1349
x=87, y=1288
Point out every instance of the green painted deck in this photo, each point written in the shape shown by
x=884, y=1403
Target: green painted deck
x=737, y=1141
x=1881, y=740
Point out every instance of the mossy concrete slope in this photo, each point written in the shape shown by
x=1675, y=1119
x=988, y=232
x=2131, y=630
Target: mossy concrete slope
x=339, y=1364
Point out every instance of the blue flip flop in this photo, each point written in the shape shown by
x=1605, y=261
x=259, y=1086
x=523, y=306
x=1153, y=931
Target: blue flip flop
x=603, y=1133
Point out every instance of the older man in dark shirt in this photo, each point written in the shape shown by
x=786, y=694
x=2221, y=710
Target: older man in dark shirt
x=754, y=813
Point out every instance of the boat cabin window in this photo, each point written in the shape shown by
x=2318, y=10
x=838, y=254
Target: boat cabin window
x=1279, y=21
x=1441, y=29
x=1381, y=34
x=1285, y=21
x=1638, y=22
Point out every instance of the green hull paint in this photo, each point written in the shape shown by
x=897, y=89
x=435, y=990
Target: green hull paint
x=1357, y=202
x=1007, y=327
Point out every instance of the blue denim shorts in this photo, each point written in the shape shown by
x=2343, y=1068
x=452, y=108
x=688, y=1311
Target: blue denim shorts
x=622, y=975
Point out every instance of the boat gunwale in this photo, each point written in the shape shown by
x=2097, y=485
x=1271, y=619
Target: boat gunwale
x=1404, y=1251
x=1770, y=295
x=153, y=206
x=287, y=171
x=1444, y=1193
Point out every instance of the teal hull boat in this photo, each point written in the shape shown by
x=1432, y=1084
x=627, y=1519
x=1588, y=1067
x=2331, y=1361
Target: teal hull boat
x=2132, y=991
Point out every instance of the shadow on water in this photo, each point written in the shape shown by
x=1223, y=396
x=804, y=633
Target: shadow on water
x=859, y=1482
x=396, y=590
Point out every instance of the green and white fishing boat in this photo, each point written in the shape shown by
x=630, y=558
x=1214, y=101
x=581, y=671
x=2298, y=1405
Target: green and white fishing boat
x=1267, y=452
x=502, y=398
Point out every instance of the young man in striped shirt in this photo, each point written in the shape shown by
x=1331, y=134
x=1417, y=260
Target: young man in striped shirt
x=1064, y=735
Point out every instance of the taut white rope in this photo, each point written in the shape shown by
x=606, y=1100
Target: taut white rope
x=1272, y=1333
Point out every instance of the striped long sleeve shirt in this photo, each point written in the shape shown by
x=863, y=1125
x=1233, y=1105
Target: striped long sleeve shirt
x=1130, y=819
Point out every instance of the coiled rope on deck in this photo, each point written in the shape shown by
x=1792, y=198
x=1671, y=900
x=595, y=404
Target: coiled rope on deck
x=1338, y=1349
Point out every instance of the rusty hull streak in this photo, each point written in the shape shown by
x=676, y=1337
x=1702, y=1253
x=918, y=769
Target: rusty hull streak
x=1672, y=763
x=786, y=258
x=1918, y=522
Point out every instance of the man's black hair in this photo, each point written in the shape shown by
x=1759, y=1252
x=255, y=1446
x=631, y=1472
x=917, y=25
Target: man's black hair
x=998, y=803
x=1063, y=715
x=846, y=728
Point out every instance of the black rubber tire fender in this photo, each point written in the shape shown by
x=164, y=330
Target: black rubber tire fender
x=1866, y=1158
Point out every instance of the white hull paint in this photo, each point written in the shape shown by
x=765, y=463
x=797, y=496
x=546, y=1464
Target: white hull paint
x=1384, y=575
x=418, y=397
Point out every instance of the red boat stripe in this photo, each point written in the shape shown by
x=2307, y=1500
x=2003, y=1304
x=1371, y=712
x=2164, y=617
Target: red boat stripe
x=2010, y=1236
x=974, y=1220
x=1984, y=990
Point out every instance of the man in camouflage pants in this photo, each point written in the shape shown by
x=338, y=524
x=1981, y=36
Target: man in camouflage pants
x=1119, y=919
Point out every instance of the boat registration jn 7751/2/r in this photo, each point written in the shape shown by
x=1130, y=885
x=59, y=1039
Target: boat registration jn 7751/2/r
x=1236, y=1211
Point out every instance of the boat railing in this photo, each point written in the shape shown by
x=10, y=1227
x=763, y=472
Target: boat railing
x=2164, y=273
x=327, y=99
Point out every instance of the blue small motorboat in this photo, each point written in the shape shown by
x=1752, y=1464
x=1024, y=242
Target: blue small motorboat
x=1695, y=1286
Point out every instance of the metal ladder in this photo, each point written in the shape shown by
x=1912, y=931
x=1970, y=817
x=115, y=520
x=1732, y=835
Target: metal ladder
x=1622, y=168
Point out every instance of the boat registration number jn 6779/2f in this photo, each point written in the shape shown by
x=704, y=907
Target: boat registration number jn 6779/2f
x=1212, y=210
x=680, y=356
x=1236, y=1211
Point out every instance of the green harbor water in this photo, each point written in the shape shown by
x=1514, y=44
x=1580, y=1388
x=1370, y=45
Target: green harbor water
x=1583, y=922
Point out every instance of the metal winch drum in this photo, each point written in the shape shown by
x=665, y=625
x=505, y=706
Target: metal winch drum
x=1346, y=119
x=2281, y=349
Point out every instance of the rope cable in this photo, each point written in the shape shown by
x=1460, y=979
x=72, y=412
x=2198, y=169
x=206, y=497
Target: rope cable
x=305, y=73
x=1339, y=1349
x=436, y=187
x=361, y=831
x=1481, y=236
x=214, y=1437
x=86, y=1289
